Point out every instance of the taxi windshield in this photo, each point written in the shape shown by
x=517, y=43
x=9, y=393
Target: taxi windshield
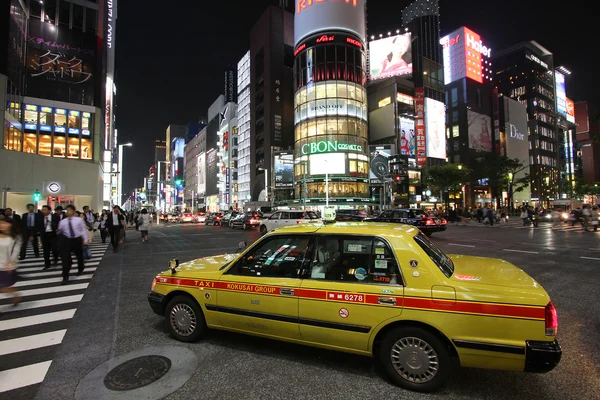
x=440, y=259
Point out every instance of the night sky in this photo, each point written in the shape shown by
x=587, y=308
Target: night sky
x=171, y=59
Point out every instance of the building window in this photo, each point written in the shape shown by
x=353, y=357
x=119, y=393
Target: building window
x=30, y=143
x=454, y=97
x=454, y=116
x=455, y=131
x=90, y=20
x=74, y=144
x=45, y=148
x=59, y=145
x=64, y=14
x=77, y=17
x=12, y=137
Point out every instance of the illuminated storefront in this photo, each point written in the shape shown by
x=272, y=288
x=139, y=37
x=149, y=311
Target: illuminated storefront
x=330, y=105
x=51, y=132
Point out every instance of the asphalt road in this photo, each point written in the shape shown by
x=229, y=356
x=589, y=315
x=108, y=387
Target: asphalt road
x=114, y=318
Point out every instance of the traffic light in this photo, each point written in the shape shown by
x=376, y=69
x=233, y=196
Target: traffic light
x=397, y=179
x=178, y=182
x=37, y=196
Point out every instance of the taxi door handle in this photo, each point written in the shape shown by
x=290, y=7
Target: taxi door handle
x=387, y=300
x=288, y=292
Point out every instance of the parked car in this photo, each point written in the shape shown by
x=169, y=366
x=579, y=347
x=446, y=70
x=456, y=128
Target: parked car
x=173, y=217
x=379, y=290
x=415, y=217
x=227, y=217
x=213, y=218
x=201, y=217
x=285, y=218
x=245, y=220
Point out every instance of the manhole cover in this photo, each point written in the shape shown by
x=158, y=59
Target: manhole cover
x=137, y=372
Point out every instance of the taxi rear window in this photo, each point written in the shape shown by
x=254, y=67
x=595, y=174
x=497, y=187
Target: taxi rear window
x=440, y=259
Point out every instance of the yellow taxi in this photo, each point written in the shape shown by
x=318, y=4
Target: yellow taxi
x=375, y=289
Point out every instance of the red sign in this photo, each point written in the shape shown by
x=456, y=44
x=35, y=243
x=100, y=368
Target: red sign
x=474, y=58
x=420, y=126
x=325, y=38
x=570, y=108
x=299, y=49
x=354, y=42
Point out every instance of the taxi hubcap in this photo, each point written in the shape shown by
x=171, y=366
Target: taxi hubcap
x=414, y=360
x=183, y=319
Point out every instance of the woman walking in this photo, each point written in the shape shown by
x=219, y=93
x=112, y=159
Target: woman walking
x=10, y=245
x=144, y=220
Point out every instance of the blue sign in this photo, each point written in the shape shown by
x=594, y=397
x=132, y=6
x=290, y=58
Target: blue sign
x=561, y=93
x=31, y=126
x=60, y=129
x=85, y=132
x=46, y=128
x=74, y=131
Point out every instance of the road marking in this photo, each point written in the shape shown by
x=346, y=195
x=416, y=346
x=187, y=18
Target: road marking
x=29, y=305
x=38, y=269
x=53, y=289
x=460, y=245
x=31, y=342
x=590, y=258
x=522, y=251
x=34, y=282
x=23, y=376
x=52, y=273
x=36, y=319
x=24, y=264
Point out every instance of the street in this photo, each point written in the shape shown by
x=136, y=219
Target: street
x=114, y=318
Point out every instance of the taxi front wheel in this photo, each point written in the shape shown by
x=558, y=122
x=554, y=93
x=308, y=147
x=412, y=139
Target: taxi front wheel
x=184, y=319
x=415, y=359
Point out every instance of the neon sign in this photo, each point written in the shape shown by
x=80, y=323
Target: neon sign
x=354, y=42
x=474, y=41
x=329, y=146
x=299, y=49
x=325, y=38
x=303, y=4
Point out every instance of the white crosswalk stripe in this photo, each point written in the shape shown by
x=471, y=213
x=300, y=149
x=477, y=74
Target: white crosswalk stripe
x=30, y=332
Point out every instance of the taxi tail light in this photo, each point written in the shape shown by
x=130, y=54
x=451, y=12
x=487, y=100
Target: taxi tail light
x=551, y=320
x=444, y=221
x=299, y=221
x=153, y=284
x=430, y=222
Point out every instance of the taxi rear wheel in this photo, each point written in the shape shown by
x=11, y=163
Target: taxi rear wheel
x=415, y=359
x=184, y=319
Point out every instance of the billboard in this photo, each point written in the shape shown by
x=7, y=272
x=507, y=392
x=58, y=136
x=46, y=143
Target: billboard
x=561, y=93
x=435, y=116
x=61, y=63
x=379, y=167
x=420, y=126
x=391, y=56
x=465, y=55
x=480, y=131
x=408, y=141
x=284, y=169
x=16, y=43
x=516, y=139
x=570, y=110
x=201, y=174
x=313, y=16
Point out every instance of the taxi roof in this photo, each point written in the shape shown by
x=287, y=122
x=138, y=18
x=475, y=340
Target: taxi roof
x=352, y=228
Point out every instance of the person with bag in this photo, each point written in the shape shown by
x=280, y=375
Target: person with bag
x=115, y=224
x=48, y=235
x=102, y=225
x=10, y=247
x=144, y=221
x=87, y=252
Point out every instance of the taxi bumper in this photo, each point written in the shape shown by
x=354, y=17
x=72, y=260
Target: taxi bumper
x=541, y=356
x=157, y=303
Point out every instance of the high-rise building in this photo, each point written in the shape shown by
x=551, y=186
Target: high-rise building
x=195, y=170
x=588, y=136
x=330, y=104
x=56, y=77
x=470, y=115
x=525, y=72
x=271, y=95
x=244, y=146
x=173, y=131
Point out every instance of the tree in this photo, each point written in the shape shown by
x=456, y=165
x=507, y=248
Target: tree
x=449, y=177
x=511, y=167
x=502, y=173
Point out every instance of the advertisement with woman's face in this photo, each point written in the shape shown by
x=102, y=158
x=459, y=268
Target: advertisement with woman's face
x=391, y=56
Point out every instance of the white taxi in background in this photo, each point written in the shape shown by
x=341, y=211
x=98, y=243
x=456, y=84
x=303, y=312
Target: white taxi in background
x=287, y=218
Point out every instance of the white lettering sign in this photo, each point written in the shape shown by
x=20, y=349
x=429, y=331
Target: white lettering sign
x=478, y=46
x=109, y=7
x=515, y=134
x=537, y=60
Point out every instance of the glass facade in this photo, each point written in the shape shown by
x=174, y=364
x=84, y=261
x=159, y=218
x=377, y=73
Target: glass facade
x=330, y=123
x=51, y=132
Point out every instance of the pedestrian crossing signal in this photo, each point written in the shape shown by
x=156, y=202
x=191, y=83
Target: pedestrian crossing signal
x=37, y=196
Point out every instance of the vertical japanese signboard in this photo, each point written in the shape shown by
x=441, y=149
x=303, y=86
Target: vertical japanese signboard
x=277, y=120
x=420, y=126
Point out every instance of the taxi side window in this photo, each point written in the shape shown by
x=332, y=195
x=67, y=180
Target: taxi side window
x=284, y=215
x=277, y=257
x=275, y=216
x=341, y=259
x=384, y=268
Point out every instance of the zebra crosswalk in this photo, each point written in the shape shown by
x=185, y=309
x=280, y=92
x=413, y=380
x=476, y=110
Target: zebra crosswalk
x=518, y=224
x=31, y=331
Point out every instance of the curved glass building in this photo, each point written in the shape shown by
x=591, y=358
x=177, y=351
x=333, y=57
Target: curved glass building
x=330, y=122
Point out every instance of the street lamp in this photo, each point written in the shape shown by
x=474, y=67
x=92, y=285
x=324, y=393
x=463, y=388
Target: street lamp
x=120, y=178
x=266, y=182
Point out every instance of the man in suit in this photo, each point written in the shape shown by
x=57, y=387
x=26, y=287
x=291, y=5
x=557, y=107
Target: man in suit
x=114, y=224
x=32, y=223
x=73, y=235
x=61, y=214
x=49, y=239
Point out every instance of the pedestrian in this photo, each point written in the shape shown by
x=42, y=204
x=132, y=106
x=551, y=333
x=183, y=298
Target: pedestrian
x=102, y=225
x=48, y=234
x=115, y=224
x=490, y=216
x=594, y=216
x=587, y=214
x=32, y=224
x=10, y=243
x=73, y=236
x=60, y=212
x=144, y=222
x=524, y=216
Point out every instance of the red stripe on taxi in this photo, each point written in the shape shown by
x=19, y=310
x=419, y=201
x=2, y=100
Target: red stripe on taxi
x=476, y=308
